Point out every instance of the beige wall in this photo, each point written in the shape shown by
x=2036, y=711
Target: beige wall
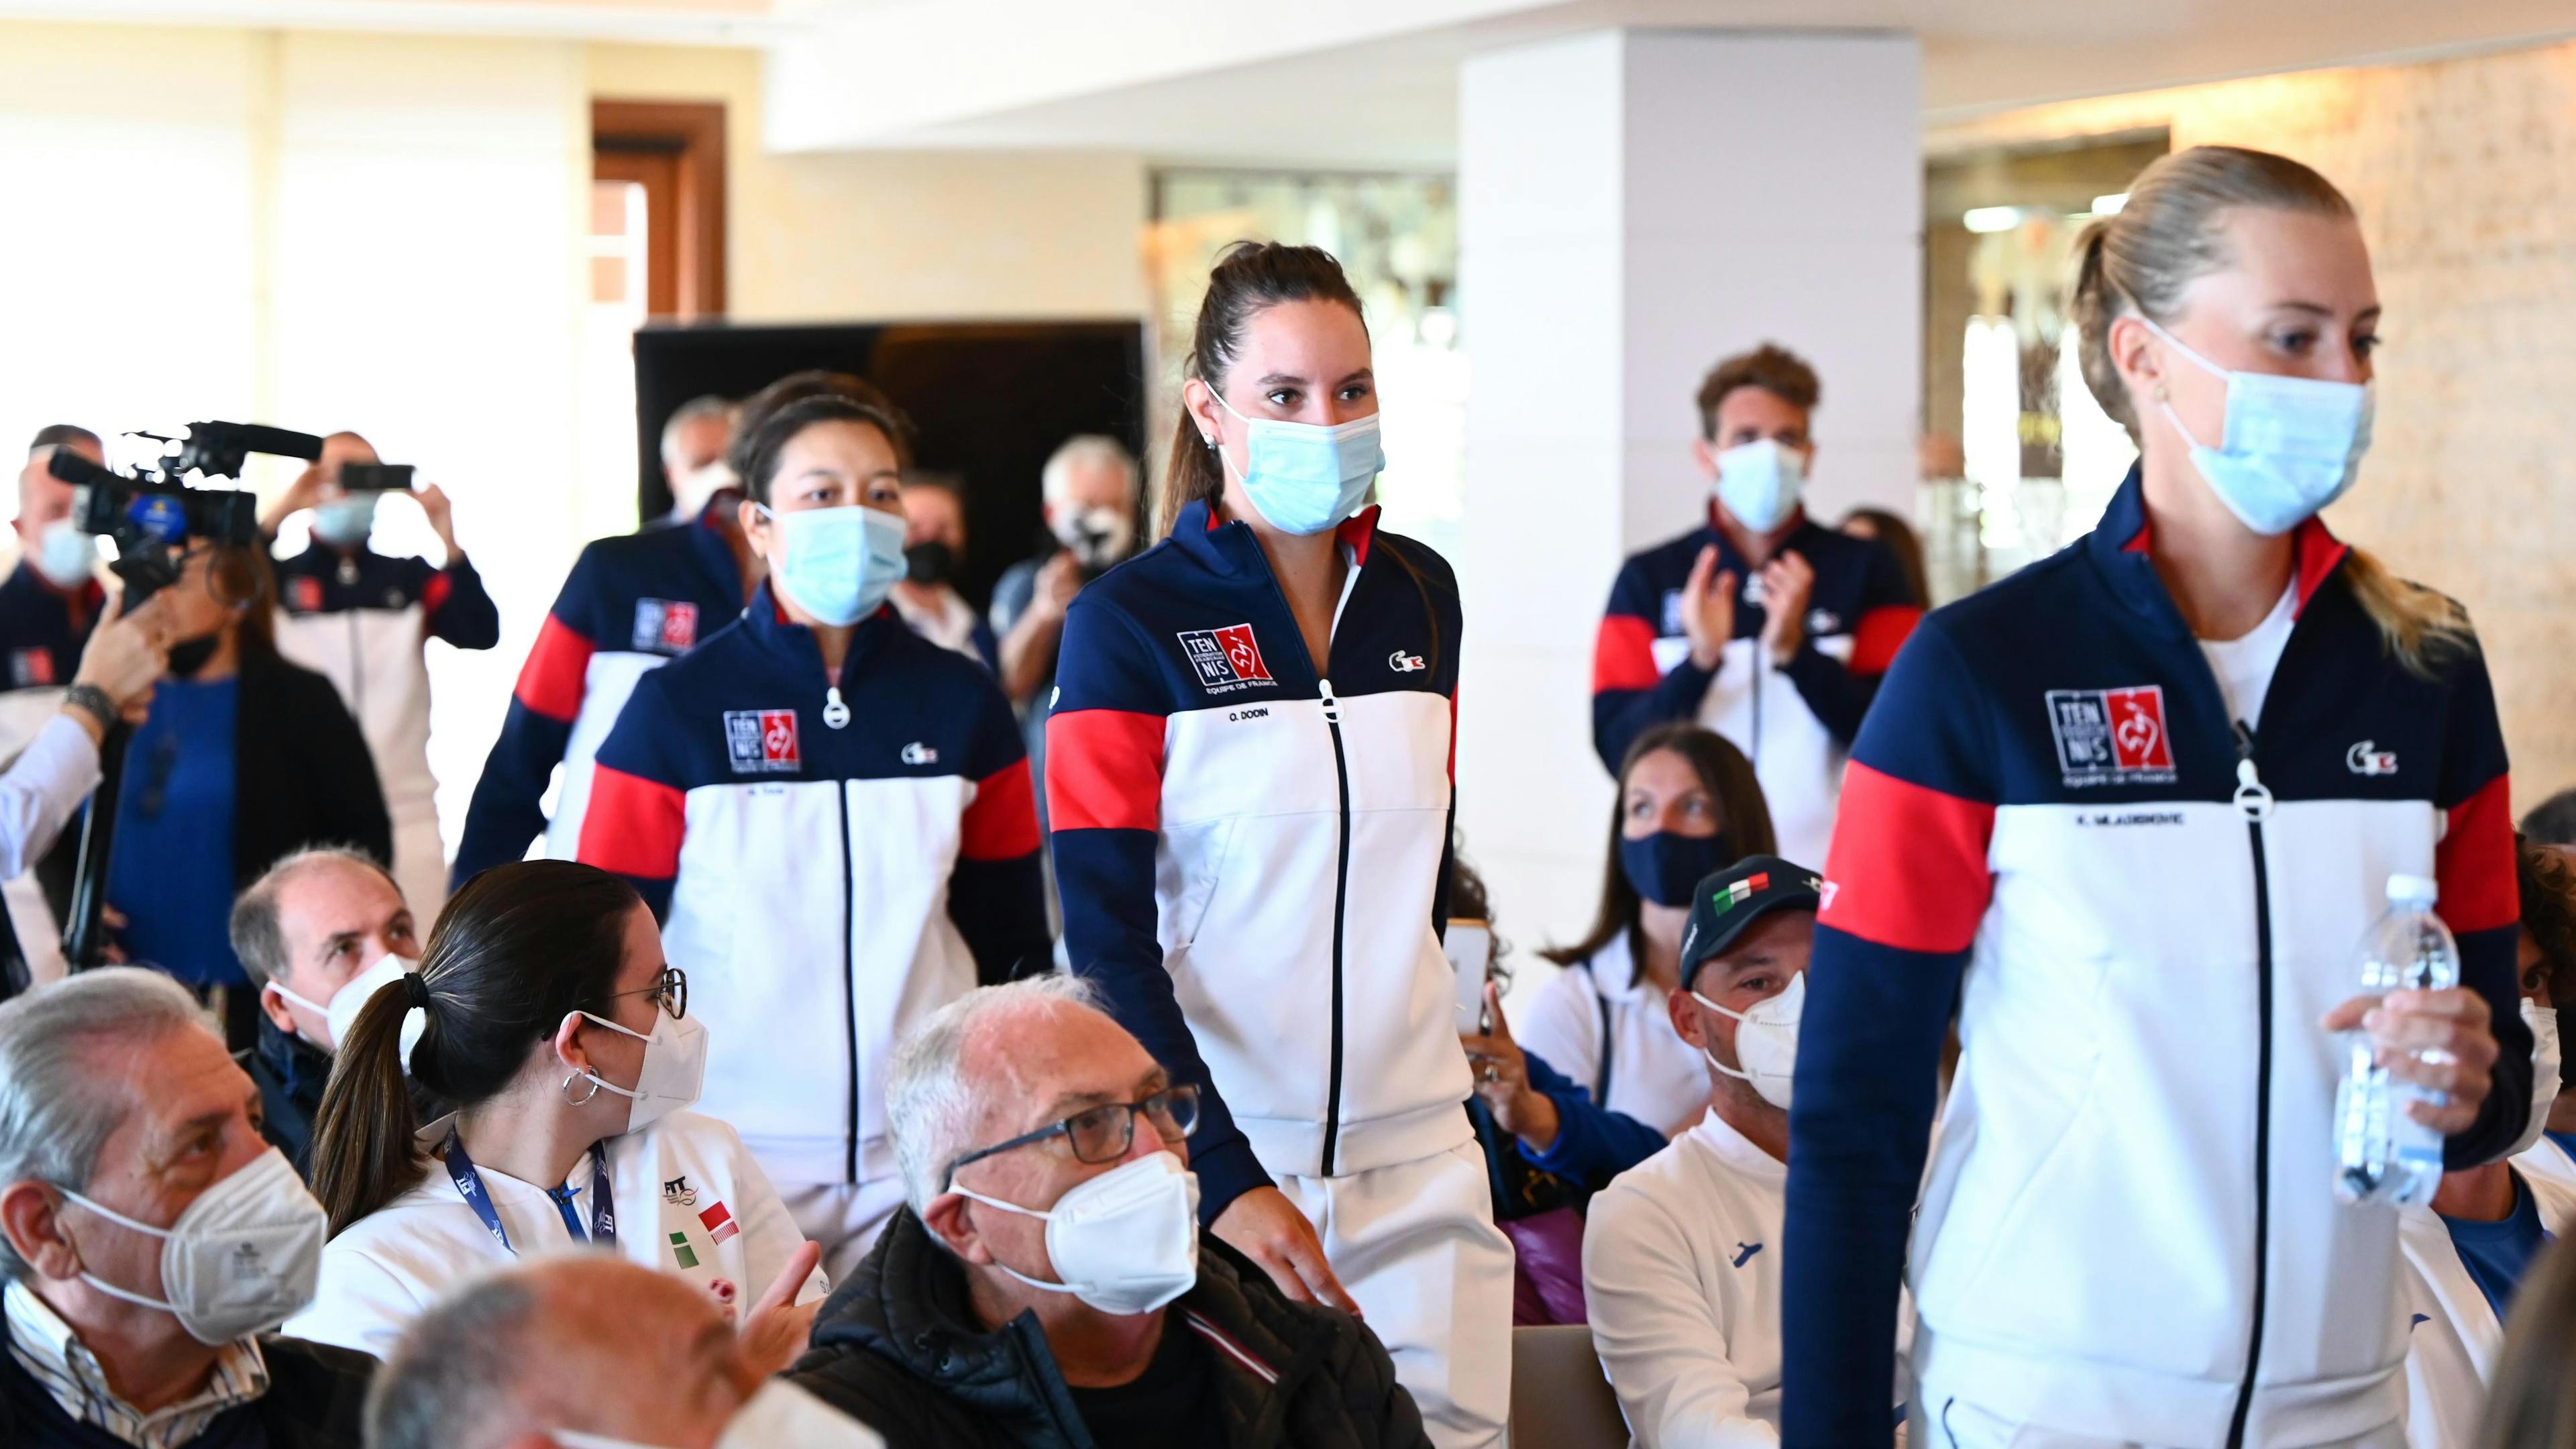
x=2465, y=175
x=859, y=236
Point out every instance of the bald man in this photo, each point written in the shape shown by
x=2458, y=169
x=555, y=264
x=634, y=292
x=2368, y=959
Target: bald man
x=596, y=1353
x=362, y=620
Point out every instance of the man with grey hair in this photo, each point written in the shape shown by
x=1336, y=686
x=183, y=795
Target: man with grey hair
x=1047, y=1282
x=591, y=1353
x=149, y=1238
x=1090, y=501
x=317, y=934
x=694, y=441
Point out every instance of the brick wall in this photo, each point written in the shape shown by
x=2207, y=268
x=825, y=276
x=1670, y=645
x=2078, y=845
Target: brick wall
x=2464, y=171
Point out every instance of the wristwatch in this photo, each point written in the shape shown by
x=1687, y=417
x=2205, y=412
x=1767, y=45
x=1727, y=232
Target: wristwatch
x=93, y=701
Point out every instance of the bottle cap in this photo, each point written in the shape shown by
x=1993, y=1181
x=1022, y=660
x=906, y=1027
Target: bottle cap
x=2409, y=888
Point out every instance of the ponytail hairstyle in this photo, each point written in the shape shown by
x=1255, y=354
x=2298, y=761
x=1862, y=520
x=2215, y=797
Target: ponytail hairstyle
x=2139, y=260
x=1250, y=278
x=521, y=947
x=1743, y=814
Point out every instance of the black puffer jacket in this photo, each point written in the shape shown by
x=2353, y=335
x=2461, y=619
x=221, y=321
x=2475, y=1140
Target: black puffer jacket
x=898, y=1348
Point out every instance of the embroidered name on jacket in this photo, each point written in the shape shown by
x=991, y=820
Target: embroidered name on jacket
x=2112, y=736
x=665, y=626
x=1226, y=659
x=761, y=741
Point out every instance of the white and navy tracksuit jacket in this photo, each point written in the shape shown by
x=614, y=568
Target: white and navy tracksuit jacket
x=360, y=619
x=1246, y=846
x=1796, y=721
x=825, y=886
x=631, y=603
x=2129, y=1230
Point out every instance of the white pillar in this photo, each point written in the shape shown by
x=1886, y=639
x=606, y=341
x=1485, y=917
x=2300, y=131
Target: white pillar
x=1634, y=205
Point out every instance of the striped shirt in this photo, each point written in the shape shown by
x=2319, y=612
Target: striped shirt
x=46, y=1348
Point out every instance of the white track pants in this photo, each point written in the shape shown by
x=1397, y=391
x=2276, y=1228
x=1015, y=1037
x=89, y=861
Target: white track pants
x=1416, y=1245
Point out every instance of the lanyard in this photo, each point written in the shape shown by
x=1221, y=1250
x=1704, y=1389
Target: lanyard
x=469, y=1186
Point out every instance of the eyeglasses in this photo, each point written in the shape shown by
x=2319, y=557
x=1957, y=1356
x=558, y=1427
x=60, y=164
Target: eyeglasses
x=670, y=991
x=1104, y=1133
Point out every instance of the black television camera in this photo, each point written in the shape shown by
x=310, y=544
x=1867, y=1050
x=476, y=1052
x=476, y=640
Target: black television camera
x=152, y=514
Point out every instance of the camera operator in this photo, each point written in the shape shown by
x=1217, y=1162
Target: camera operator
x=243, y=758
x=362, y=620
x=1090, y=490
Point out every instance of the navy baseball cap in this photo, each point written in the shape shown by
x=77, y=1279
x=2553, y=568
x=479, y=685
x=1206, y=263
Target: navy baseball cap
x=1734, y=898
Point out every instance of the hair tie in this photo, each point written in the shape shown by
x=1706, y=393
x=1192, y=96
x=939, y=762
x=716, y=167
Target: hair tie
x=416, y=990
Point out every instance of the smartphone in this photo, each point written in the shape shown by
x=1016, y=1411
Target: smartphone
x=375, y=477
x=1470, y=948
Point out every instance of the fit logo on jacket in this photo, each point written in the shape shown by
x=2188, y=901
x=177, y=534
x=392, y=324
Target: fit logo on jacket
x=1245, y=844
x=2141, y=911
x=631, y=603
x=825, y=886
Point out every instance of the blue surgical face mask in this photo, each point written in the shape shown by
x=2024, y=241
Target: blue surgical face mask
x=1306, y=477
x=1664, y=867
x=837, y=564
x=1759, y=483
x=64, y=554
x=2291, y=445
x=345, y=522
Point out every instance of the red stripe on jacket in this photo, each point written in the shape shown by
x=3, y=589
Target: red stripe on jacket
x=633, y=826
x=2474, y=864
x=1623, y=654
x=1908, y=865
x=556, y=675
x=1002, y=824
x=1879, y=634
x=435, y=592
x=1104, y=770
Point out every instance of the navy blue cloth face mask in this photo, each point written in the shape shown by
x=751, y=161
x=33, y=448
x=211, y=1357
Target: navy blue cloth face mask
x=1663, y=867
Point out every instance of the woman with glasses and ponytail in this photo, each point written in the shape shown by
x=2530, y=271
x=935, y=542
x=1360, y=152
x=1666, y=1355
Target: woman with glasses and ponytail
x=544, y=1010
x=2128, y=814
x=1248, y=787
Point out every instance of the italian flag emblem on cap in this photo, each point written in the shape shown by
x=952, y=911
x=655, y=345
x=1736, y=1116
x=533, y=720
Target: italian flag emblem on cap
x=719, y=1223
x=1744, y=890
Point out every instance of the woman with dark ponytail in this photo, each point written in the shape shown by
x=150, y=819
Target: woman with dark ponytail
x=1249, y=792
x=544, y=1010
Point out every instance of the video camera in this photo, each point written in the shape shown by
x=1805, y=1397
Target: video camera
x=151, y=514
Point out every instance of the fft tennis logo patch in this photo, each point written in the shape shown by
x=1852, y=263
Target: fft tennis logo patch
x=2112, y=736
x=1226, y=659
x=761, y=741
x=665, y=626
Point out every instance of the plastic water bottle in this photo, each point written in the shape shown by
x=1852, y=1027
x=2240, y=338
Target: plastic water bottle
x=2382, y=1154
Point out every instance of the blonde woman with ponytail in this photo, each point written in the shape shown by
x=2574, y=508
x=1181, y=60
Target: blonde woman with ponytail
x=2129, y=812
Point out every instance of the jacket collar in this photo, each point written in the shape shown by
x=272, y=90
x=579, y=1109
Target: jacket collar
x=78, y=605
x=776, y=634
x=908, y=1304
x=2118, y=547
x=1229, y=547
x=1729, y=558
x=299, y=1067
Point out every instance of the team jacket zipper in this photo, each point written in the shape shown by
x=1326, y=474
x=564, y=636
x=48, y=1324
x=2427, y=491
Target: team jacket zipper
x=2254, y=802
x=1341, y=894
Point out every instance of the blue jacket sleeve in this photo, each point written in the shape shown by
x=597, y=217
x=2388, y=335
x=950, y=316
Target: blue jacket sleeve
x=460, y=610
x=2481, y=902
x=1104, y=765
x=1593, y=1144
x=996, y=891
x=1907, y=886
x=1628, y=694
x=506, y=812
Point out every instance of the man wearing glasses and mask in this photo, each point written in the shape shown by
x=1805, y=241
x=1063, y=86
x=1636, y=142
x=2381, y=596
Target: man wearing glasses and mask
x=1048, y=1266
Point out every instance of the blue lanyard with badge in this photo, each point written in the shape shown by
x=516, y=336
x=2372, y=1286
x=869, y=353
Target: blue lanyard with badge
x=469, y=1186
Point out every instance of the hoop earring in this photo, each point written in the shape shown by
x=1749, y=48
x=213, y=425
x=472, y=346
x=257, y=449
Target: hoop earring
x=584, y=1100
